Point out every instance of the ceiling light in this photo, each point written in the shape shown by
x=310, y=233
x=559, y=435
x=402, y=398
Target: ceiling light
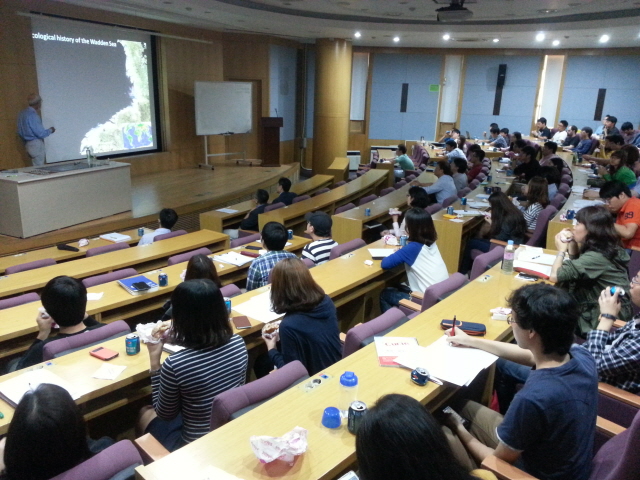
x=539, y=37
x=556, y=43
x=604, y=39
x=357, y=34
x=496, y=40
x=396, y=39
x=446, y=36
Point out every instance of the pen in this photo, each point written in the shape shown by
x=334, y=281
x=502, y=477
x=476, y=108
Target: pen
x=453, y=327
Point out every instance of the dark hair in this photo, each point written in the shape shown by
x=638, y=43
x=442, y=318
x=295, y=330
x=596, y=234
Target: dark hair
x=633, y=155
x=460, y=164
x=462, y=140
x=614, y=188
x=402, y=148
x=445, y=167
x=293, y=289
x=274, y=236
x=553, y=146
x=504, y=130
x=451, y=143
x=550, y=174
x=493, y=125
x=529, y=152
x=47, y=435
x=626, y=126
x=622, y=156
x=574, y=128
x=419, y=198
x=542, y=120
x=505, y=212
x=479, y=153
x=285, y=183
x=168, y=218
x=601, y=234
x=262, y=196
x=419, y=225
x=549, y=311
x=617, y=139
x=520, y=144
x=495, y=130
x=474, y=147
x=538, y=191
x=588, y=131
x=201, y=266
x=399, y=439
x=558, y=163
x=200, y=317
x=65, y=300
x=564, y=123
x=455, y=130
x=612, y=119
x=517, y=135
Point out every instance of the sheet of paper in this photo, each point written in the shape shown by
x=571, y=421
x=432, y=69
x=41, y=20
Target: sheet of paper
x=478, y=204
x=233, y=258
x=535, y=255
x=286, y=244
x=467, y=212
x=482, y=196
x=109, y=371
x=456, y=220
x=380, y=252
x=258, y=308
x=14, y=388
x=95, y=296
x=227, y=210
x=214, y=473
x=534, y=267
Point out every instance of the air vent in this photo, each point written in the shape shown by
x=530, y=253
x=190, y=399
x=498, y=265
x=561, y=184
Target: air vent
x=469, y=40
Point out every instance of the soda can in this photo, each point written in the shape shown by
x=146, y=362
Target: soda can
x=290, y=233
x=489, y=178
x=367, y=212
x=449, y=210
x=620, y=290
x=140, y=231
x=227, y=302
x=420, y=376
x=488, y=190
x=132, y=344
x=163, y=279
x=357, y=410
x=463, y=201
x=571, y=214
x=403, y=240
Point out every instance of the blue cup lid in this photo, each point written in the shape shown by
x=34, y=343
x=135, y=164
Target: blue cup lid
x=331, y=417
x=349, y=379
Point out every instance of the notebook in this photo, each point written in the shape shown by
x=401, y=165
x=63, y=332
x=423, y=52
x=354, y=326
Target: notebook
x=128, y=285
x=388, y=348
x=115, y=237
x=380, y=253
x=13, y=389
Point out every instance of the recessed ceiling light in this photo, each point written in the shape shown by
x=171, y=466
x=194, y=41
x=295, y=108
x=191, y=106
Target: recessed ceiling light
x=396, y=39
x=357, y=34
x=539, y=37
x=555, y=43
x=446, y=36
x=496, y=40
x=604, y=39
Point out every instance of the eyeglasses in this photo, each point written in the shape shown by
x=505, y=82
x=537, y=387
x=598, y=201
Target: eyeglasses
x=635, y=281
x=511, y=321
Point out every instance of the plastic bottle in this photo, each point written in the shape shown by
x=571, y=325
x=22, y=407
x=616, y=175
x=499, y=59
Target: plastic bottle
x=507, y=260
x=348, y=391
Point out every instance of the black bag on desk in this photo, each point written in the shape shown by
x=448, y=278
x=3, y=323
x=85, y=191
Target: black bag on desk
x=470, y=328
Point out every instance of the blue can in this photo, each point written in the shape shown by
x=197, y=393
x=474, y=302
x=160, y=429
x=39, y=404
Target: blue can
x=140, y=231
x=620, y=291
x=290, y=234
x=403, y=240
x=463, y=201
x=489, y=177
x=367, y=212
x=227, y=303
x=132, y=344
x=449, y=210
x=488, y=190
x=420, y=376
x=163, y=279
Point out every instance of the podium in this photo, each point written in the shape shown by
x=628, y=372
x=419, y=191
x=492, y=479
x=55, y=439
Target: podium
x=270, y=140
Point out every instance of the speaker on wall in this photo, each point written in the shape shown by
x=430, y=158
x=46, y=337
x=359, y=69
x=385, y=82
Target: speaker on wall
x=502, y=74
x=502, y=77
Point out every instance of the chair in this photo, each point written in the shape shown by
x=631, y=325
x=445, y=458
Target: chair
x=618, y=458
x=564, y=189
x=273, y=206
x=399, y=184
x=339, y=184
x=617, y=405
x=485, y=169
x=481, y=176
x=433, y=208
x=595, y=143
x=309, y=263
x=558, y=201
x=464, y=192
x=566, y=171
x=485, y=261
x=64, y=346
x=347, y=247
x=356, y=335
x=301, y=198
x=634, y=263
x=344, y=208
x=109, y=277
x=237, y=401
x=230, y=291
x=448, y=201
x=23, y=267
x=566, y=179
x=185, y=257
x=21, y=300
x=244, y=240
x=321, y=191
x=367, y=199
x=434, y=294
x=553, y=132
x=164, y=236
x=92, y=252
x=387, y=191
x=116, y=462
x=542, y=224
x=410, y=178
x=474, y=184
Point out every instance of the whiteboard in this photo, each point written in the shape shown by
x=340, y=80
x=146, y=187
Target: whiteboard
x=223, y=107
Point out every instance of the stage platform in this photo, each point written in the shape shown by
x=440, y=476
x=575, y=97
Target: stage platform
x=188, y=191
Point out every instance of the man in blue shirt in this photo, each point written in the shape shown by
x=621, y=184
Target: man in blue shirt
x=284, y=195
x=31, y=131
x=274, y=239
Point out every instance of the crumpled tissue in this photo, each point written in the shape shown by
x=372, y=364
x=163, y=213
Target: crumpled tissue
x=285, y=448
x=145, y=330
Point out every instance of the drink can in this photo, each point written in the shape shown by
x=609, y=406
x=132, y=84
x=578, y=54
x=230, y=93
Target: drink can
x=488, y=190
x=420, y=376
x=463, y=201
x=367, y=212
x=357, y=410
x=403, y=240
x=290, y=233
x=140, y=231
x=132, y=344
x=227, y=302
x=163, y=279
x=489, y=178
x=620, y=290
x=571, y=214
x=449, y=210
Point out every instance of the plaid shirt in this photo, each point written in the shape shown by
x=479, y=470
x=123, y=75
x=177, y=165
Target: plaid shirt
x=260, y=269
x=617, y=355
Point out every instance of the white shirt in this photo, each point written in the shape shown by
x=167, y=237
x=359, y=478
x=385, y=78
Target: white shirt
x=559, y=137
x=147, y=238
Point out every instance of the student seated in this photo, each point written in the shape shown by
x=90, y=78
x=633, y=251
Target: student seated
x=542, y=132
x=476, y=156
x=398, y=439
x=250, y=221
x=402, y=162
x=416, y=197
x=47, y=436
x=459, y=173
x=65, y=302
x=285, y=196
x=548, y=151
x=496, y=139
x=444, y=187
x=626, y=208
x=561, y=133
x=454, y=133
x=552, y=176
x=549, y=429
x=319, y=229
x=420, y=256
x=596, y=261
x=184, y=385
x=528, y=166
x=584, y=145
x=537, y=198
x=618, y=170
x=274, y=238
x=572, y=139
x=630, y=135
x=601, y=155
x=167, y=219
x=451, y=151
x=309, y=331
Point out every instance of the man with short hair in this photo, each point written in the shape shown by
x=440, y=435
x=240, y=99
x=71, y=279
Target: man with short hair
x=612, y=143
x=584, y=145
x=274, y=239
x=250, y=220
x=167, y=219
x=476, y=158
x=496, y=140
x=630, y=135
x=572, y=139
x=285, y=196
x=542, y=132
x=444, y=187
x=528, y=166
x=561, y=134
x=452, y=151
x=492, y=125
x=548, y=151
x=32, y=132
x=403, y=161
x=454, y=134
x=64, y=300
x=610, y=126
x=319, y=229
x=627, y=210
x=549, y=427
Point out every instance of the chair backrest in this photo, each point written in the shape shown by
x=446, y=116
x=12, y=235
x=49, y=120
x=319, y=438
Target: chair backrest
x=321, y=191
x=566, y=171
x=481, y=176
x=357, y=334
x=164, y=236
x=618, y=458
x=367, y=199
x=564, y=189
x=553, y=131
x=244, y=240
x=485, y=260
x=58, y=348
x=117, y=461
x=273, y=206
x=485, y=169
x=464, y=192
x=23, y=267
x=634, y=264
x=109, y=277
x=185, y=257
x=433, y=208
x=558, y=201
x=308, y=262
x=344, y=208
x=347, y=247
x=301, y=198
x=416, y=153
x=566, y=179
x=22, y=299
x=448, y=201
x=399, y=184
x=92, y=252
x=595, y=143
x=542, y=224
x=410, y=178
x=339, y=184
x=437, y=291
x=230, y=291
x=386, y=191
x=474, y=183
x=227, y=403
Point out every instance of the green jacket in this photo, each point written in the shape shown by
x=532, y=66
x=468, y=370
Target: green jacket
x=624, y=175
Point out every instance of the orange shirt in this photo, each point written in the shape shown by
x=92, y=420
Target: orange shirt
x=630, y=213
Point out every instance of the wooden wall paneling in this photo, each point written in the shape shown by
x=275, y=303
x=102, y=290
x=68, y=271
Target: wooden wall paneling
x=287, y=152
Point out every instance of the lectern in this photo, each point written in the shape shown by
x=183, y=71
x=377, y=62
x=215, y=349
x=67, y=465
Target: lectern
x=270, y=138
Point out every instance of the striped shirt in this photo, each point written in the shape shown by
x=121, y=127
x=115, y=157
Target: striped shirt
x=318, y=252
x=531, y=214
x=190, y=379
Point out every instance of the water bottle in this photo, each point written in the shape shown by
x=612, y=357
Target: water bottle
x=348, y=391
x=507, y=260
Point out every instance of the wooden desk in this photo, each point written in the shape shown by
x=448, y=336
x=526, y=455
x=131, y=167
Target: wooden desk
x=332, y=451
x=339, y=169
x=143, y=258
x=217, y=221
x=292, y=216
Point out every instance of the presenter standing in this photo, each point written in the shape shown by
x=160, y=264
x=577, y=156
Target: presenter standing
x=31, y=130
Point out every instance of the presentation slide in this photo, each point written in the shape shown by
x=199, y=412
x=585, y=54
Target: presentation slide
x=96, y=84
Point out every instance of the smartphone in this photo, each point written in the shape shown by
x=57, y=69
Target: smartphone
x=241, y=322
x=251, y=247
x=103, y=353
x=140, y=286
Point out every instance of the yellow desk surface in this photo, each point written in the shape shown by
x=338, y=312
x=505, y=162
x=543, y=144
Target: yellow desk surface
x=332, y=451
x=339, y=169
x=131, y=257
